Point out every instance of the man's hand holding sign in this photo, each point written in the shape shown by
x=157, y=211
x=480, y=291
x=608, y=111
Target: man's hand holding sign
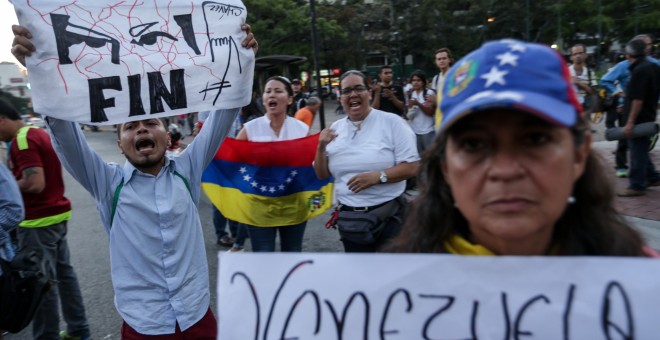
x=148, y=206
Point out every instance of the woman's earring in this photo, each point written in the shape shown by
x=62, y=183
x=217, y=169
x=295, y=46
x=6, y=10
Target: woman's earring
x=571, y=199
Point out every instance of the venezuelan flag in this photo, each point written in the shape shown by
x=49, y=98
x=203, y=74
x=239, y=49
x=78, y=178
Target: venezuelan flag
x=267, y=183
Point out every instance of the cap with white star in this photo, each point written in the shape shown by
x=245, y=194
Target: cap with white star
x=510, y=74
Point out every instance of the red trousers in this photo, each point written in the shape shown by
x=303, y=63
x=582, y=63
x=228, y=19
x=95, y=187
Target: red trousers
x=206, y=328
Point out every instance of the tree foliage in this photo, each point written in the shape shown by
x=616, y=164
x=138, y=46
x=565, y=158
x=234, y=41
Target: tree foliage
x=349, y=31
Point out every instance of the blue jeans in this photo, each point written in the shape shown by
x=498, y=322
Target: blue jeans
x=263, y=238
x=220, y=222
x=46, y=323
x=642, y=169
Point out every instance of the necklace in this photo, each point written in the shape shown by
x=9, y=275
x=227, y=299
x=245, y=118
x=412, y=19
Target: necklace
x=357, y=125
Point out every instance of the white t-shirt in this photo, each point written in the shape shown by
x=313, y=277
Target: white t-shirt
x=259, y=130
x=419, y=121
x=438, y=80
x=384, y=140
x=585, y=77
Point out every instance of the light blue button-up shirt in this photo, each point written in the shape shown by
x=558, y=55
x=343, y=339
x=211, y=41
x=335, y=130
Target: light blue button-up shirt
x=619, y=75
x=157, y=257
x=11, y=211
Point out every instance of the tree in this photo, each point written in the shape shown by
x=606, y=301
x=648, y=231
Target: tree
x=283, y=27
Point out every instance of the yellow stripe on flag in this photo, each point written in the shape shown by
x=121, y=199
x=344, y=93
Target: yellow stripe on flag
x=265, y=211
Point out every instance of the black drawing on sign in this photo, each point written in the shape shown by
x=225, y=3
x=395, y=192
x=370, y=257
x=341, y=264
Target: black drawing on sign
x=148, y=38
x=222, y=9
x=185, y=22
x=64, y=39
x=218, y=86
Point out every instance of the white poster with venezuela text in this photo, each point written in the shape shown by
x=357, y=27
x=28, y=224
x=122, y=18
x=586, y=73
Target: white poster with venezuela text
x=405, y=296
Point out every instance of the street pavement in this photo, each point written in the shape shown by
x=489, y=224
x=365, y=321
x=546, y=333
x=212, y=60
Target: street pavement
x=88, y=241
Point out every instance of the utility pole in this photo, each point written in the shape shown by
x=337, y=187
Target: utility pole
x=559, y=42
x=600, y=33
x=527, y=20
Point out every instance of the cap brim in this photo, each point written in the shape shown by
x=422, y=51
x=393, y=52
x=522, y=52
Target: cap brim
x=547, y=108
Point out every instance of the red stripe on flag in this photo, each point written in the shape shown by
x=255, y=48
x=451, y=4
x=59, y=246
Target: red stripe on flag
x=295, y=152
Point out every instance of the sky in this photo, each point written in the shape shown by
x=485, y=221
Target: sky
x=7, y=18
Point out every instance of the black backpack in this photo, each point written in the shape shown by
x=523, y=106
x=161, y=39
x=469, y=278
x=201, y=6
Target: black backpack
x=23, y=285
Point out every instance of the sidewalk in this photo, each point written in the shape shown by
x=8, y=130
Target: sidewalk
x=647, y=206
x=642, y=211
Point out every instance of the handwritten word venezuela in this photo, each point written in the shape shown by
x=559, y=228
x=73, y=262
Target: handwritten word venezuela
x=298, y=308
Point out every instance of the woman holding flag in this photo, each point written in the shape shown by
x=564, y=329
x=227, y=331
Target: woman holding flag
x=370, y=154
x=275, y=125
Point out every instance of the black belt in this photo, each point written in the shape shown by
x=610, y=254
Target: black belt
x=349, y=208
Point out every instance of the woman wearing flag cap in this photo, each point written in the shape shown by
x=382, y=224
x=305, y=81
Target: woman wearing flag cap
x=511, y=171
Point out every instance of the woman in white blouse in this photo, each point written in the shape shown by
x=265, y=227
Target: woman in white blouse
x=370, y=154
x=275, y=125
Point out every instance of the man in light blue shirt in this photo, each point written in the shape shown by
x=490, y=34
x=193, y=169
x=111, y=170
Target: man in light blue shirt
x=11, y=211
x=148, y=207
x=615, y=82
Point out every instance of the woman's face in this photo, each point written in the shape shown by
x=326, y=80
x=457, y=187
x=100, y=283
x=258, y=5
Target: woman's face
x=276, y=98
x=511, y=175
x=356, y=102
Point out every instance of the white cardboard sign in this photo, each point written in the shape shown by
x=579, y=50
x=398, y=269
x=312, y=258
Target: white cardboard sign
x=111, y=61
x=385, y=296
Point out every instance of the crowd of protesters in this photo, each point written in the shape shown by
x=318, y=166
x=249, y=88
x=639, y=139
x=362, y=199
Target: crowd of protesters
x=490, y=156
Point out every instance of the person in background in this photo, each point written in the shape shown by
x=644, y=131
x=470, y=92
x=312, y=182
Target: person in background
x=12, y=212
x=511, y=171
x=615, y=82
x=275, y=125
x=387, y=96
x=443, y=61
x=190, y=119
x=174, y=147
x=307, y=113
x=370, y=154
x=583, y=77
x=641, y=106
x=421, y=108
x=149, y=209
x=38, y=171
x=299, y=98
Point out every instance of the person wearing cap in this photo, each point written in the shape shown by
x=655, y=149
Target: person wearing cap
x=370, y=154
x=511, y=171
x=641, y=105
x=298, y=96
